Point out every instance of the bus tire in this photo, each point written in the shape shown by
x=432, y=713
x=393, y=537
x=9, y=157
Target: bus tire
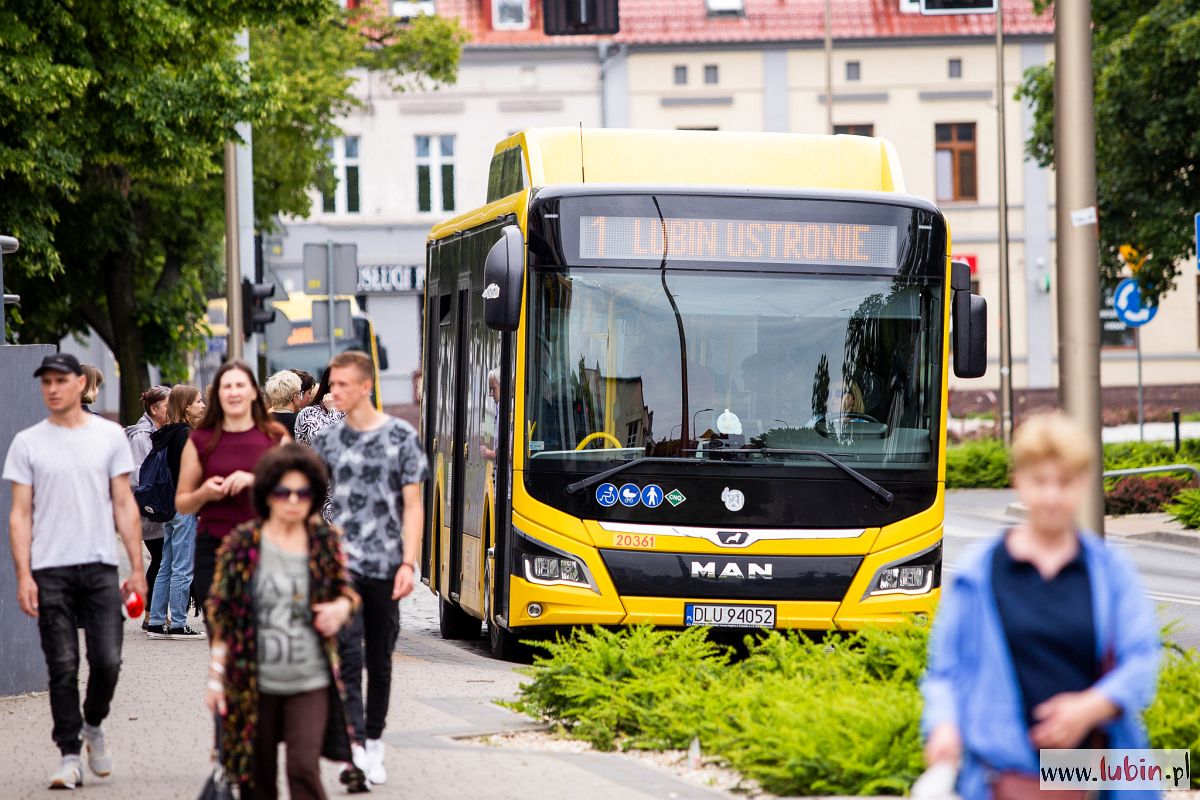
x=504, y=643
x=454, y=623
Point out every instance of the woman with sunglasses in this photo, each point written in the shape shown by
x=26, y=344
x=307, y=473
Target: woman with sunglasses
x=279, y=598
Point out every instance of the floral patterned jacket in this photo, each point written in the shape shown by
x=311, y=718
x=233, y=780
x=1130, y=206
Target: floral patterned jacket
x=232, y=619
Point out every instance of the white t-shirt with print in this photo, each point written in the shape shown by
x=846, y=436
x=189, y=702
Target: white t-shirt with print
x=70, y=470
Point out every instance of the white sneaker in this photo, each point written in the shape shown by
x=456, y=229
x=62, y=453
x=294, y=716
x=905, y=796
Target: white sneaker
x=69, y=774
x=376, y=774
x=99, y=760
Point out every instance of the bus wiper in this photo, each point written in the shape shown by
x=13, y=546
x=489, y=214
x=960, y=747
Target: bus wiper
x=880, y=492
x=592, y=480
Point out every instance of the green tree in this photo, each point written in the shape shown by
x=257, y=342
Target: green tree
x=1146, y=59
x=113, y=118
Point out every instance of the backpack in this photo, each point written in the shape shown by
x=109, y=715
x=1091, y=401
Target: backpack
x=155, y=492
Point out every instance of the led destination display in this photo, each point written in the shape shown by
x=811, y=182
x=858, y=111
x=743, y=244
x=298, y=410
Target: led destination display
x=738, y=240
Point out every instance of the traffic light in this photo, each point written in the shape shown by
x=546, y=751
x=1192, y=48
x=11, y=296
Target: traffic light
x=256, y=314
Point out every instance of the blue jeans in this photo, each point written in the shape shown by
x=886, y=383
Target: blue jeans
x=174, y=580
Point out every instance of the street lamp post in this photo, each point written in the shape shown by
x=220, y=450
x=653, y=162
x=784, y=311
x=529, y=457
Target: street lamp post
x=1075, y=243
x=1006, y=387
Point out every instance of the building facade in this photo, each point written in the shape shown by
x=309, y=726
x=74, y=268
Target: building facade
x=928, y=84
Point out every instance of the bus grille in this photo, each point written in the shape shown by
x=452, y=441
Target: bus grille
x=700, y=575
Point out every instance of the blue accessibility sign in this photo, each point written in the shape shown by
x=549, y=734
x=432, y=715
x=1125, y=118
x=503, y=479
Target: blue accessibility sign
x=629, y=495
x=1127, y=302
x=652, y=496
x=606, y=495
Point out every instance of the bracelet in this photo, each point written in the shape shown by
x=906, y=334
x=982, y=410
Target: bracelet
x=413, y=567
x=216, y=686
x=217, y=667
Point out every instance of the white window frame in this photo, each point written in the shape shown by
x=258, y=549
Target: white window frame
x=435, y=161
x=498, y=25
x=339, y=161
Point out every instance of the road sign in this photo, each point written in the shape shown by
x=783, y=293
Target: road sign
x=929, y=7
x=1127, y=301
x=345, y=268
x=343, y=322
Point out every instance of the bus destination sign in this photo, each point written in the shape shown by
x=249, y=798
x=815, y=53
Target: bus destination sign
x=738, y=240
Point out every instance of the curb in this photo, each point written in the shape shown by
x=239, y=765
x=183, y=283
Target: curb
x=1180, y=539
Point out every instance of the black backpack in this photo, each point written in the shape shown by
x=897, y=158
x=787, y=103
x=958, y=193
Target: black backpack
x=155, y=492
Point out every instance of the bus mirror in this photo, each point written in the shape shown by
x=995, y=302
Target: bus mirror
x=503, y=276
x=970, y=335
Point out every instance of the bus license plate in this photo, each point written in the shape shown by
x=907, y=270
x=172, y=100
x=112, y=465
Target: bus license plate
x=728, y=616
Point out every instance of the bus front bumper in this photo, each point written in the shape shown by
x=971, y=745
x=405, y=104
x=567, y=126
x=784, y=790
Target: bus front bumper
x=533, y=604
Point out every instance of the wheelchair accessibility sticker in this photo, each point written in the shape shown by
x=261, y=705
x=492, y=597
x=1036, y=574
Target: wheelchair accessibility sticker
x=606, y=495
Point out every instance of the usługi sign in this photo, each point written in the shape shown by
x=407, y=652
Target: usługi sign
x=389, y=278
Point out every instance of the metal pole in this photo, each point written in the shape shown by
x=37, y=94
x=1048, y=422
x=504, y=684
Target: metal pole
x=1175, y=422
x=1137, y=337
x=233, y=269
x=329, y=294
x=829, y=66
x=1078, y=278
x=245, y=211
x=1006, y=388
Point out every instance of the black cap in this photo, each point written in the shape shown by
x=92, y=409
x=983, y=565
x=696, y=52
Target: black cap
x=59, y=362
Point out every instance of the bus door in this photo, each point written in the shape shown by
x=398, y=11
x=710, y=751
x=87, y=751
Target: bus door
x=458, y=469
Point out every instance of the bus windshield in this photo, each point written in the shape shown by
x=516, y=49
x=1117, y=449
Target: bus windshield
x=775, y=363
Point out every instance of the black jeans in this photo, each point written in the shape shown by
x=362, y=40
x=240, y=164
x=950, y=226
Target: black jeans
x=374, y=629
x=155, y=546
x=206, y=567
x=89, y=594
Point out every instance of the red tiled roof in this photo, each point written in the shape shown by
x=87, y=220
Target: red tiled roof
x=687, y=21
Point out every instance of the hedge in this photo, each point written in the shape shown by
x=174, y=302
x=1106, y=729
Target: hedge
x=840, y=717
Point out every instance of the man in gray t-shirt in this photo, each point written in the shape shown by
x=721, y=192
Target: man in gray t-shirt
x=376, y=466
x=70, y=483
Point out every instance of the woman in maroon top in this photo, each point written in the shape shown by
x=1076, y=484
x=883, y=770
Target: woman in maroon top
x=216, y=473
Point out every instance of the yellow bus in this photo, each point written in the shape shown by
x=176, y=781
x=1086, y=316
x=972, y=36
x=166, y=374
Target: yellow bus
x=290, y=341
x=689, y=378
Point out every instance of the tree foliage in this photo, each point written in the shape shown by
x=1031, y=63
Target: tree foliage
x=1146, y=59
x=113, y=118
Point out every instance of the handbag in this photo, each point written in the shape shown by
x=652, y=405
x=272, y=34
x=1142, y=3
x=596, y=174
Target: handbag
x=218, y=785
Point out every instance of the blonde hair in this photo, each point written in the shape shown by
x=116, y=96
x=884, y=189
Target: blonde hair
x=281, y=388
x=1052, y=436
x=95, y=379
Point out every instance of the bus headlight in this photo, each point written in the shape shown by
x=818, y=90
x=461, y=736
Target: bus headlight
x=549, y=566
x=916, y=574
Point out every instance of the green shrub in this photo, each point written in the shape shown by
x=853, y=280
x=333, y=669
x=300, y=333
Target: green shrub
x=1173, y=718
x=981, y=464
x=800, y=717
x=1186, y=508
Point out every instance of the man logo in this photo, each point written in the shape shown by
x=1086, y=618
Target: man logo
x=492, y=292
x=708, y=569
x=733, y=538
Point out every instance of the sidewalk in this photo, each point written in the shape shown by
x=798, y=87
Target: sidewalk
x=442, y=701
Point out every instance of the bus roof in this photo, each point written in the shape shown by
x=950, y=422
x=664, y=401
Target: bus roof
x=555, y=156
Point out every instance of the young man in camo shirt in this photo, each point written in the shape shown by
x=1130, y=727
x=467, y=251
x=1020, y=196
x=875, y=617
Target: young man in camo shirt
x=376, y=465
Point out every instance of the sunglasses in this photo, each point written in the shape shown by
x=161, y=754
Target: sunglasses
x=284, y=493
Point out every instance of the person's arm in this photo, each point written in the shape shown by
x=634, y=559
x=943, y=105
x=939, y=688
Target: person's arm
x=139, y=447
x=129, y=525
x=328, y=618
x=214, y=692
x=191, y=495
x=413, y=522
x=20, y=535
x=939, y=722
